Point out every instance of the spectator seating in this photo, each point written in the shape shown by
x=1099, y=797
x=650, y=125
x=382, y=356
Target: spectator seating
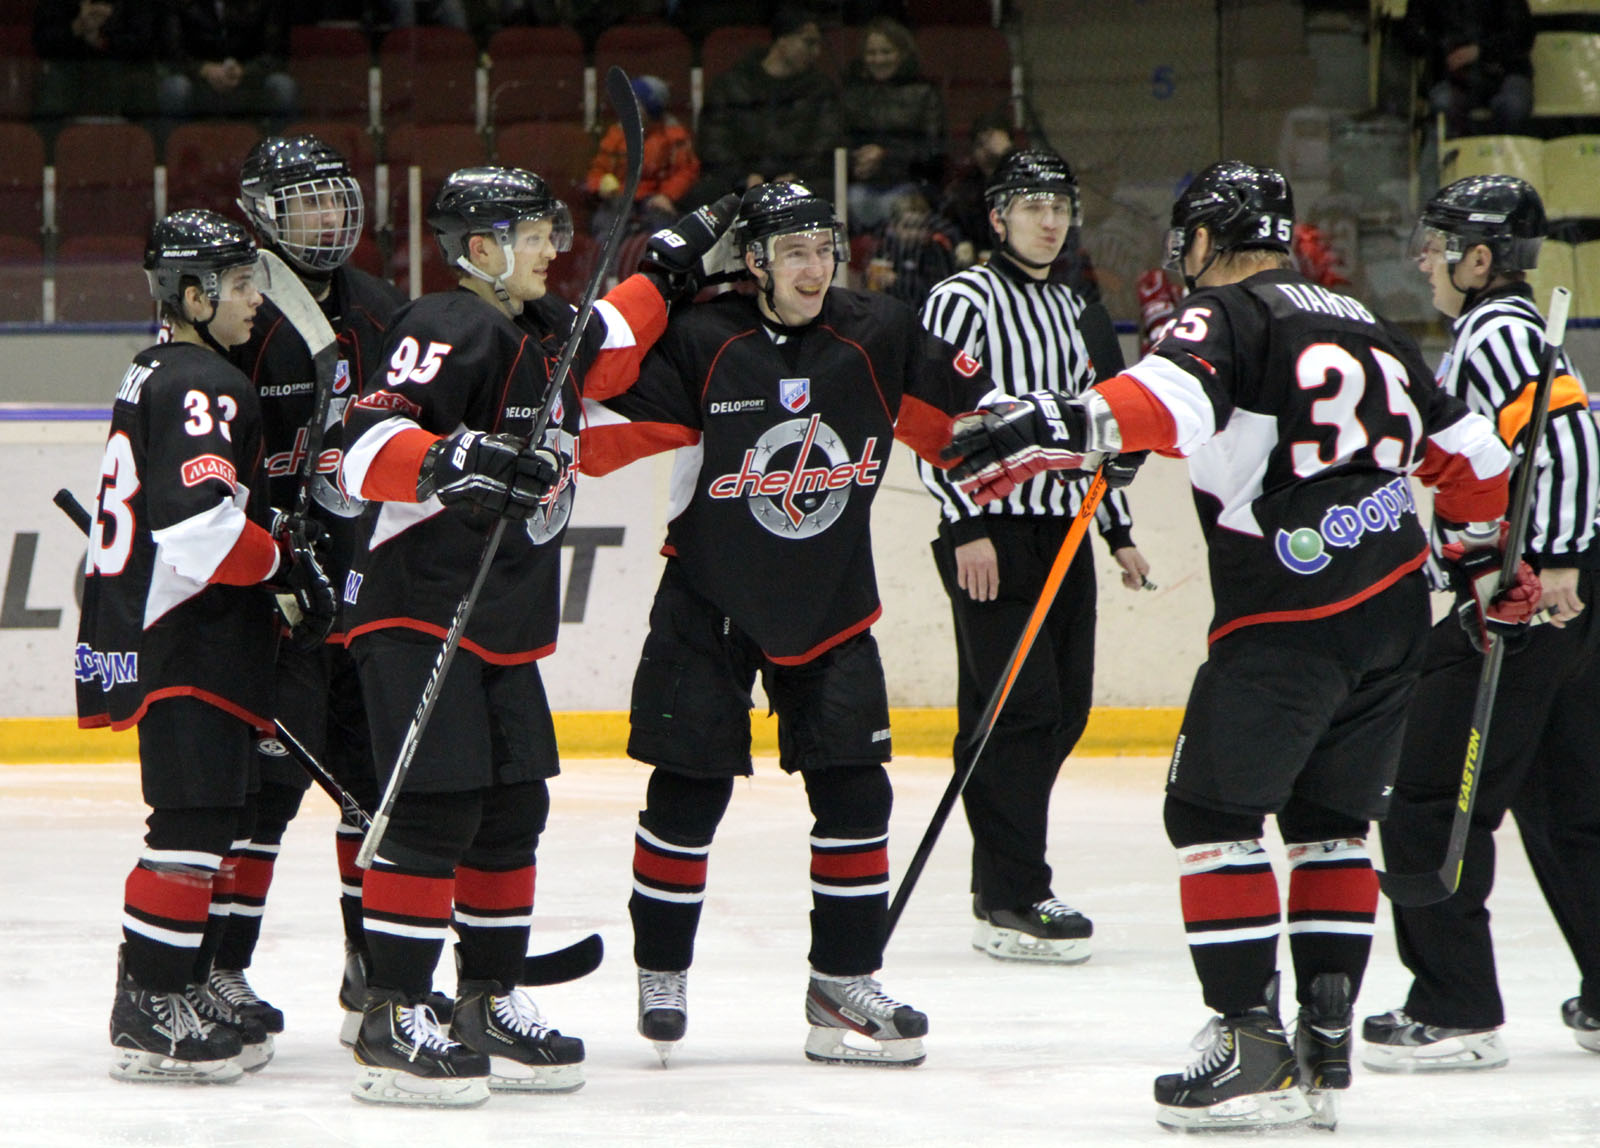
x=105, y=180
x=973, y=69
x=1521, y=156
x=17, y=69
x=1571, y=174
x=650, y=49
x=100, y=279
x=956, y=12
x=438, y=150
x=429, y=75
x=560, y=152
x=21, y=181
x=202, y=164
x=21, y=279
x=841, y=44
x=332, y=67
x=1566, y=74
x=537, y=74
x=1585, y=280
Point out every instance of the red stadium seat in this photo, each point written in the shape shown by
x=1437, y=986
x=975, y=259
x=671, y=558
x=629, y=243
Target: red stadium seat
x=331, y=66
x=560, y=152
x=17, y=70
x=649, y=50
x=726, y=46
x=438, y=150
x=203, y=160
x=105, y=180
x=100, y=279
x=21, y=280
x=972, y=67
x=536, y=74
x=429, y=76
x=21, y=181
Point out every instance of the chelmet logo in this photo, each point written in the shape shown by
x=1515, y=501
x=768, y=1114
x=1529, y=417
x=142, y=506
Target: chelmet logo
x=1305, y=551
x=788, y=497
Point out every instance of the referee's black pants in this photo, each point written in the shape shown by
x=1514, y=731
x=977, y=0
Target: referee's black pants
x=1542, y=765
x=1008, y=798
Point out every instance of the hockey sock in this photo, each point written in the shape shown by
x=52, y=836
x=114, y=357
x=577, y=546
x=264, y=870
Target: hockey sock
x=493, y=913
x=165, y=907
x=405, y=915
x=671, y=848
x=346, y=844
x=252, y=861
x=1230, y=913
x=1333, y=900
x=849, y=868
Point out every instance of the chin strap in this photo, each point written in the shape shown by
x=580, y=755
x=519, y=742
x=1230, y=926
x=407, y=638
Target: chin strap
x=497, y=282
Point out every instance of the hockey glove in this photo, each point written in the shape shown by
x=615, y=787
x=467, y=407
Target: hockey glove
x=1003, y=446
x=1475, y=573
x=302, y=571
x=482, y=470
x=672, y=255
x=1121, y=469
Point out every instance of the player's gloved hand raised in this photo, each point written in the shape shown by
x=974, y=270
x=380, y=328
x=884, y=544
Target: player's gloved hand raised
x=302, y=571
x=672, y=255
x=1475, y=572
x=999, y=448
x=498, y=472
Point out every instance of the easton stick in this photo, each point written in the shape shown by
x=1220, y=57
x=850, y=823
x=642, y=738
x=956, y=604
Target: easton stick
x=1413, y=890
x=997, y=700
x=619, y=90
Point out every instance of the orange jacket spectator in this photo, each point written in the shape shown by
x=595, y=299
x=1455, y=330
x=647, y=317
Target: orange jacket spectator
x=670, y=163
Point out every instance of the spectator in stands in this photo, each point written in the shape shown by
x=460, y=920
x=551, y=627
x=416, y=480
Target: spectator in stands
x=98, y=57
x=965, y=203
x=226, y=58
x=1479, y=61
x=773, y=116
x=893, y=124
x=670, y=165
x=911, y=250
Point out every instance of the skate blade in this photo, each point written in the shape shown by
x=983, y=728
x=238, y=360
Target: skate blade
x=255, y=1056
x=507, y=1075
x=846, y=1046
x=1282, y=1109
x=1014, y=945
x=664, y=1049
x=1475, y=1052
x=391, y=1086
x=1324, y=1104
x=349, y=1029
x=142, y=1067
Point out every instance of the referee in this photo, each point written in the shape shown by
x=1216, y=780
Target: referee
x=1476, y=240
x=1028, y=333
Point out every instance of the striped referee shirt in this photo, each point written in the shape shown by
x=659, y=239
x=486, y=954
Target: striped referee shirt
x=1494, y=366
x=1026, y=333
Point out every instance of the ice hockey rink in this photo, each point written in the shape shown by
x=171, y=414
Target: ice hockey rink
x=1017, y=1055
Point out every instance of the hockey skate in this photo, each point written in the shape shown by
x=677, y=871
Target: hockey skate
x=404, y=1057
x=1396, y=1043
x=1049, y=931
x=1246, y=1076
x=663, y=1009
x=1322, y=1046
x=525, y=1054
x=353, y=992
x=1585, y=1026
x=158, y=1037
x=853, y=1021
x=231, y=986
x=256, y=1044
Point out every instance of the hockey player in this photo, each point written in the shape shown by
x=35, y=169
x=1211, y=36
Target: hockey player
x=1301, y=414
x=1476, y=240
x=303, y=203
x=789, y=399
x=435, y=442
x=1024, y=328
x=176, y=634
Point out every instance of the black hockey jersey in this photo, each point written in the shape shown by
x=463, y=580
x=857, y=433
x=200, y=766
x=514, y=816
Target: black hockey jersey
x=1301, y=414
x=181, y=498
x=359, y=307
x=787, y=433
x=453, y=361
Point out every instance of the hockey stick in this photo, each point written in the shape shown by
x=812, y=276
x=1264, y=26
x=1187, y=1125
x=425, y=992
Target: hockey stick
x=1413, y=890
x=997, y=699
x=558, y=966
x=290, y=296
x=619, y=90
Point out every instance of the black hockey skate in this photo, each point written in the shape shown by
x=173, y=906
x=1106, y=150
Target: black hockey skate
x=353, y=994
x=404, y=1057
x=1245, y=1077
x=158, y=1037
x=1049, y=931
x=1322, y=1046
x=256, y=1045
x=1396, y=1043
x=1585, y=1025
x=663, y=1009
x=230, y=985
x=525, y=1054
x=853, y=1021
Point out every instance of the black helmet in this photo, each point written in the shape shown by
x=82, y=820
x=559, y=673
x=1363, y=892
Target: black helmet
x=1033, y=171
x=195, y=244
x=492, y=201
x=1243, y=206
x=285, y=186
x=769, y=210
x=1501, y=212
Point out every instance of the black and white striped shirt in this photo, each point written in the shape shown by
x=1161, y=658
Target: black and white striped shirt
x=1494, y=365
x=1025, y=332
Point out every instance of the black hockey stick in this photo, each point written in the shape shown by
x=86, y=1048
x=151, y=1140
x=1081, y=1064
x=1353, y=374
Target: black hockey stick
x=619, y=90
x=997, y=699
x=1412, y=890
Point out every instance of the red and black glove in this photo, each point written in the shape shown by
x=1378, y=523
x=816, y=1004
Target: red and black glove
x=1475, y=575
x=1001, y=447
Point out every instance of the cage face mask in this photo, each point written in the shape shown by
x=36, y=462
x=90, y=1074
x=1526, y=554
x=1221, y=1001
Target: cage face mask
x=316, y=222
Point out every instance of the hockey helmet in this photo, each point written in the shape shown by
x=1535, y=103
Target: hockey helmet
x=1243, y=206
x=492, y=201
x=1029, y=172
x=769, y=210
x=198, y=246
x=1501, y=212
x=289, y=187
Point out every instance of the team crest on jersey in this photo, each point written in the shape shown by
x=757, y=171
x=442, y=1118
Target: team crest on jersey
x=794, y=394
x=966, y=365
x=208, y=466
x=788, y=496
x=1305, y=551
x=341, y=376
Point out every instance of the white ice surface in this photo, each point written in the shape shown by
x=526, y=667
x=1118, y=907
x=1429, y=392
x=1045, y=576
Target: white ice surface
x=1018, y=1055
